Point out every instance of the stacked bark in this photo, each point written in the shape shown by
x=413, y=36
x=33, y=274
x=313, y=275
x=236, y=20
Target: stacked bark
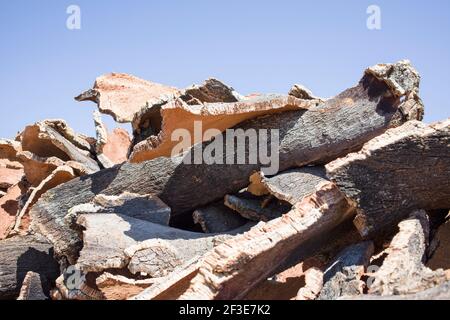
x=358, y=209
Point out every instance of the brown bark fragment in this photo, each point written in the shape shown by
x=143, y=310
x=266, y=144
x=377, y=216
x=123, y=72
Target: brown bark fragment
x=121, y=95
x=234, y=267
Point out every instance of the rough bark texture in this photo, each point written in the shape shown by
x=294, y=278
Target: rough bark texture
x=403, y=271
x=172, y=286
x=122, y=95
x=60, y=175
x=256, y=209
x=405, y=169
x=291, y=185
x=313, y=285
x=20, y=255
x=110, y=241
x=343, y=276
x=332, y=129
x=234, y=267
x=217, y=217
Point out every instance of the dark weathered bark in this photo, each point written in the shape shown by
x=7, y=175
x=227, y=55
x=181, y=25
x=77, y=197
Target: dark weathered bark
x=291, y=185
x=330, y=130
x=405, y=169
x=20, y=255
x=118, y=241
x=252, y=257
x=217, y=217
x=256, y=209
x=343, y=276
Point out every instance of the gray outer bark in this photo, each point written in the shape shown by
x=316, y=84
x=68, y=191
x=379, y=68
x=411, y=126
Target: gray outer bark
x=21, y=254
x=405, y=169
x=332, y=129
x=343, y=276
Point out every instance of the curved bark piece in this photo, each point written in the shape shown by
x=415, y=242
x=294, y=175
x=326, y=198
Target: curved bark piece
x=343, y=275
x=405, y=169
x=177, y=114
x=402, y=271
x=121, y=95
x=60, y=175
x=216, y=218
x=253, y=256
x=107, y=236
x=336, y=127
x=291, y=185
x=38, y=168
x=44, y=140
x=22, y=254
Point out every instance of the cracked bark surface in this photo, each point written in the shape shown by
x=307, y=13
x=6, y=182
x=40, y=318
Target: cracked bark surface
x=252, y=257
x=318, y=135
x=400, y=171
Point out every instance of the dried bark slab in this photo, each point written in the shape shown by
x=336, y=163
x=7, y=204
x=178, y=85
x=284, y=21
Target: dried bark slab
x=143, y=207
x=231, y=269
x=33, y=287
x=403, y=271
x=290, y=185
x=212, y=90
x=73, y=284
x=172, y=286
x=38, y=168
x=9, y=149
x=110, y=241
x=121, y=95
x=256, y=209
x=177, y=114
x=330, y=130
x=216, y=218
x=10, y=177
x=43, y=140
x=60, y=175
x=22, y=254
x=343, y=276
x=117, y=287
x=406, y=168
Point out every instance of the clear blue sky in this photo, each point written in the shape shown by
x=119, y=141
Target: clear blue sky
x=254, y=46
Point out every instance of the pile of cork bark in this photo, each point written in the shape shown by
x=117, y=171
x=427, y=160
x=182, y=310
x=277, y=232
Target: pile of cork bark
x=358, y=210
